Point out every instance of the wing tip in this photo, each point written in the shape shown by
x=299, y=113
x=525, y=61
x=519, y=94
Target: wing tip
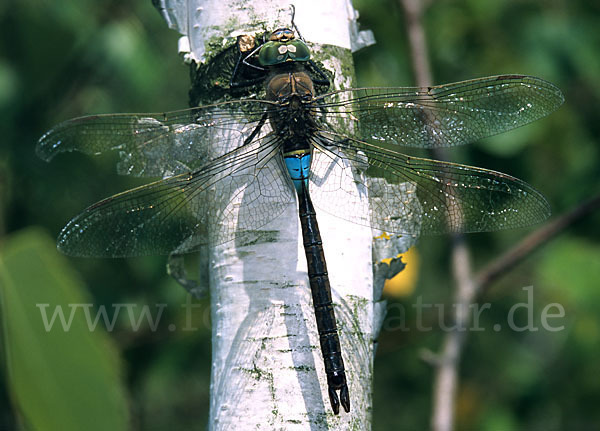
x=553, y=94
x=46, y=146
x=545, y=211
x=539, y=209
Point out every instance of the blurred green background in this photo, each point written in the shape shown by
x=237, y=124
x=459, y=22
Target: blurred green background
x=63, y=59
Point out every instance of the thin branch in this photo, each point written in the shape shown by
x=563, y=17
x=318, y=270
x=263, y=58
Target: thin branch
x=512, y=257
x=413, y=12
x=468, y=287
x=446, y=378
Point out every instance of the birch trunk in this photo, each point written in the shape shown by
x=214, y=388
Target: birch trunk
x=267, y=370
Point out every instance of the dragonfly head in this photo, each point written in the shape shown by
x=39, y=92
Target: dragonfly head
x=283, y=47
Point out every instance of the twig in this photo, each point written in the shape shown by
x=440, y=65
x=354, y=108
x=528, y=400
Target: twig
x=446, y=378
x=512, y=257
x=468, y=287
x=413, y=11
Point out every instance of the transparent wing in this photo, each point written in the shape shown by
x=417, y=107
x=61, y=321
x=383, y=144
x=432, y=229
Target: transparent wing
x=158, y=145
x=182, y=213
x=445, y=115
x=411, y=195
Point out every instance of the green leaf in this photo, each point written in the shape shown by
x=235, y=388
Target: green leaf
x=61, y=377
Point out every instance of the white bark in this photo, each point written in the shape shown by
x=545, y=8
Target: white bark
x=331, y=22
x=267, y=370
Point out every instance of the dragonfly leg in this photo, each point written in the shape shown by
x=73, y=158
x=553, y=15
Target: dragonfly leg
x=256, y=129
x=324, y=79
x=245, y=52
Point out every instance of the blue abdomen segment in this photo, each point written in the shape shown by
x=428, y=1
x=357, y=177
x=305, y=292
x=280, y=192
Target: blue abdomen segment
x=298, y=166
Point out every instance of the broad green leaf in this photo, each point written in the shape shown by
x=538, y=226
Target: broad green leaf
x=61, y=376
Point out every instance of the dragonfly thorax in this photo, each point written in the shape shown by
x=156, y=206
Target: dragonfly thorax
x=289, y=81
x=294, y=120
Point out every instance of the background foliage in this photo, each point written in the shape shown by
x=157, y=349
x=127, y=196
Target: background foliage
x=64, y=59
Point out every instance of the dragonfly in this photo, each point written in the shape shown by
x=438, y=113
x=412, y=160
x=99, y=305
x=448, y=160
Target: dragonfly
x=228, y=169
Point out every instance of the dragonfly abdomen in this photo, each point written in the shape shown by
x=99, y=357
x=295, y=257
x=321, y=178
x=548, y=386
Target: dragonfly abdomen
x=323, y=304
x=298, y=164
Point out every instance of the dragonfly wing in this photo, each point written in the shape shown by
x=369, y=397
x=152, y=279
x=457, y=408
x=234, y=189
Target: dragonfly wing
x=184, y=212
x=158, y=145
x=340, y=187
x=445, y=115
x=411, y=195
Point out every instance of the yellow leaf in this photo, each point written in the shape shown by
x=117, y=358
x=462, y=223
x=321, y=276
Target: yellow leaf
x=404, y=283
